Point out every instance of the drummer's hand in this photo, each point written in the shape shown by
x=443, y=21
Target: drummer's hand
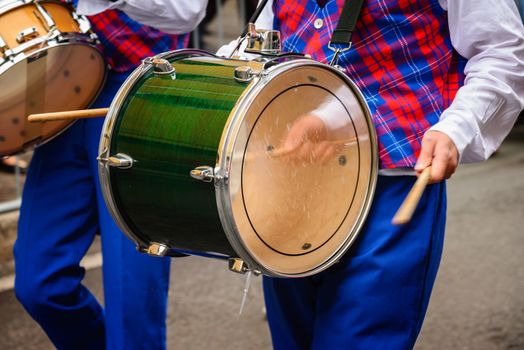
x=439, y=151
x=307, y=140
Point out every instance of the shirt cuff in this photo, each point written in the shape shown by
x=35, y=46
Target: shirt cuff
x=458, y=129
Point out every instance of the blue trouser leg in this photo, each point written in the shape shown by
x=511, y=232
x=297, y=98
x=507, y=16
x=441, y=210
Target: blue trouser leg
x=62, y=202
x=377, y=295
x=56, y=227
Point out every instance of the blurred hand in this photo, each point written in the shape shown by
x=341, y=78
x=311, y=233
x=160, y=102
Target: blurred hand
x=307, y=140
x=439, y=151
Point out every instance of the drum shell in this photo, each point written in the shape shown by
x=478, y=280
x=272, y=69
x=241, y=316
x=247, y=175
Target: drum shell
x=155, y=122
x=160, y=128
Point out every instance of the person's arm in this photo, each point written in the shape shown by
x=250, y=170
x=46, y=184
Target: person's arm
x=490, y=34
x=170, y=16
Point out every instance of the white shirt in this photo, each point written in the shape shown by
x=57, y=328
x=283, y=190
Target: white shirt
x=490, y=34
x=170, y=16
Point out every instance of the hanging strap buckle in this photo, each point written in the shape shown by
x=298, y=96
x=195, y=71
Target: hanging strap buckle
x=337, y=51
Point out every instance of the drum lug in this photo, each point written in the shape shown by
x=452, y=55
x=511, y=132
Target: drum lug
x=244, y=74
x=161, y=66
x=206, y=173
x=120, y=160
x=157, y=249
x=27, y=34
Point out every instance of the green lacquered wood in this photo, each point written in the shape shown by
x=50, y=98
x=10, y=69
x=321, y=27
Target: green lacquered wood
x=169, y=127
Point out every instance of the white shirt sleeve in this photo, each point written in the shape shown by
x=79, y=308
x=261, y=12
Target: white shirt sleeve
x=490, y=34
x=170, y=16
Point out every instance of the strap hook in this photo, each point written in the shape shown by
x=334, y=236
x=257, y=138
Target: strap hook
x=337, y=51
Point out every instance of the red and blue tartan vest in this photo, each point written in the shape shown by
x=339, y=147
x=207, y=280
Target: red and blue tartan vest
x=126, y=42
x=401, y=59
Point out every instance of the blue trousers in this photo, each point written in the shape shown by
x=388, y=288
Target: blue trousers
x=377, y=295
x=62, y=211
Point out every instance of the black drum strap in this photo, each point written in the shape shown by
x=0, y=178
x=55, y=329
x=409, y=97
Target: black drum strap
x=341, y=38
x=255, y=16
x=346, y=23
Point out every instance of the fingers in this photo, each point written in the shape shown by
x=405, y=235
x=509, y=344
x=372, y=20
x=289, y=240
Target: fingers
x=298, y=154
x=439, y=151
x=323, y=152
x=439, y=165
x=305, y=128
x=445, y=161
x=294, y=139
x=426, y=154
x=310, y=152
x=306, y=152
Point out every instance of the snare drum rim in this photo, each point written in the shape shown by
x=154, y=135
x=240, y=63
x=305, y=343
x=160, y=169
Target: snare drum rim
x=70, y=38
x=106, y=138
x=10, y=5
x=85, y=35
x=225, y=161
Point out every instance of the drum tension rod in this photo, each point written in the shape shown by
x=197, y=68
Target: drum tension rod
x=207, y=173
x=119, y=160
x=44, y=17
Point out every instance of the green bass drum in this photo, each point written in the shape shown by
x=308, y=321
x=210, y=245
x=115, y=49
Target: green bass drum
x=193, y=160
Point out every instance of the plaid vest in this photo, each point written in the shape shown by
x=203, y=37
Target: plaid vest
x=401, y=59
x=126, y=42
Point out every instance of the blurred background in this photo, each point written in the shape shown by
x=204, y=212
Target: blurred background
x=477, y=302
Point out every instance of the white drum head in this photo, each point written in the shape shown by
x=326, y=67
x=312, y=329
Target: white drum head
x=296, y=213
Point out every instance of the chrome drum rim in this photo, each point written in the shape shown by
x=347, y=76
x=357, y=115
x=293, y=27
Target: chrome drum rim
x=224, y=169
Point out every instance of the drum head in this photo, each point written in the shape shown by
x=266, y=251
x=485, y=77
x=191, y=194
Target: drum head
x=296, y=213
x=59, y=78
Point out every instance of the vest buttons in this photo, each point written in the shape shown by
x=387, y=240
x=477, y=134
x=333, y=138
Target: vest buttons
x=318, y=23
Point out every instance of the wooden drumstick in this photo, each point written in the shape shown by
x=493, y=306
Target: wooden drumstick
x=407, y=208
x=68, y=115
x=280, y=152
